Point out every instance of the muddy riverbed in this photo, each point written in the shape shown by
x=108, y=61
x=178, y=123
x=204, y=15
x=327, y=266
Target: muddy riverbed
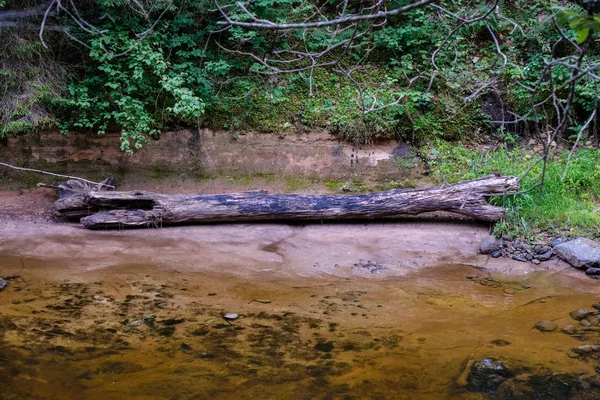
x=339, y=311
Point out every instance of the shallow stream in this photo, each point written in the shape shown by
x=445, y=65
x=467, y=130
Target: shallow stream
x=127, y=317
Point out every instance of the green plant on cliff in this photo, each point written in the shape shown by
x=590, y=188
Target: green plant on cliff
x=30, y=81
x=133, y=86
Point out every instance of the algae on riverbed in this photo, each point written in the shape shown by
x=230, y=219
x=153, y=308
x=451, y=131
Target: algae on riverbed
x=137, y=331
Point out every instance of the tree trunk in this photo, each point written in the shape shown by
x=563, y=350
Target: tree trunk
x=116, y=210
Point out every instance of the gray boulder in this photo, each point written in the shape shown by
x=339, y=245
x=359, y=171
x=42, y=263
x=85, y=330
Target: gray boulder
x=489, y=245
x=581, y=253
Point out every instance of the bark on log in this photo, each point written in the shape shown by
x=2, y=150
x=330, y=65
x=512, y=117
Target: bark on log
x=116, y=210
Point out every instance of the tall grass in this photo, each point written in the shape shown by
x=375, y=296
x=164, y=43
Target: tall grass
x=571, y=204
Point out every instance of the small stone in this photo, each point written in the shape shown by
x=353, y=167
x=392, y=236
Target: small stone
x=509, y=291
x=596, y=306
x=584, y=322
x=535, y=261
x=586, y=349
x=97, y=297
x=488, y=245
x=507, y=238
x=544, y=256
x=558, y=241
x=231, y=316
x=3, y=284
x=471, y=276
x=542, y=249
x=500, y=342
x=594, y=320
x=545, y=326
x=578, y=315
x=592, y=271
x=569, y=329
x=497, y=254
x=519, y=258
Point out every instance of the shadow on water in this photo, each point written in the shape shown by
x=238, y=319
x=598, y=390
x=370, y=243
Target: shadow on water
x=137, y=332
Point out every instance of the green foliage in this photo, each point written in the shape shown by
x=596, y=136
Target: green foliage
x=133, y=86
x=581, y=23
x=141, y=84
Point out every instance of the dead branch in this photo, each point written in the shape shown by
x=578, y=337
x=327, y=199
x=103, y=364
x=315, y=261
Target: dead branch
x=37, y=171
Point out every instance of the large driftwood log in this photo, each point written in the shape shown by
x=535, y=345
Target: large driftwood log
x=104, y=209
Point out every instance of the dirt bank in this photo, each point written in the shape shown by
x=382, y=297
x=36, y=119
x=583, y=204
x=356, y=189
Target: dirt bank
x=396, y=246
x=289, y=162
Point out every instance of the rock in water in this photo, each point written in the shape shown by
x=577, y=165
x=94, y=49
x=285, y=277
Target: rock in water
x=545, y=326
x=489, y=245
x=2, y=284
x=581, y=253
x=231, y=316
x=487, y=374
x=569, y=329
x=579, y=315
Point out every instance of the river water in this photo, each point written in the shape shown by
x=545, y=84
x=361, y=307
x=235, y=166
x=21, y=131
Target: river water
x=323, y=312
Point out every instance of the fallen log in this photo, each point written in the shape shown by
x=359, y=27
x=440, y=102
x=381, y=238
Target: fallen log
x=116, y=210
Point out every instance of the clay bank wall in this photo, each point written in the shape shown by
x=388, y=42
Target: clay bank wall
x=205, y=153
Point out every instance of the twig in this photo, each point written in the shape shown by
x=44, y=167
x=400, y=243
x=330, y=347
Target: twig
x=583, y=128
x=265, y=24
x=53, y=174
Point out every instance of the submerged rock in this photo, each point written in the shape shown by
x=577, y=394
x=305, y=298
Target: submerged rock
x=487, y=374
x=545, y=326
x=231, y=316
x=569, y=329
x=581, y=253
x=586, y=349
x=578, y=315
x=2, y=284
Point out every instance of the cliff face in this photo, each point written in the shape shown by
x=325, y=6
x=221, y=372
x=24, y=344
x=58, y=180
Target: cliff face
x=214, y=153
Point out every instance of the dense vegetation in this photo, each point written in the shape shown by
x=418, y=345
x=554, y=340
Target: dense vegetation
x=141, y=70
